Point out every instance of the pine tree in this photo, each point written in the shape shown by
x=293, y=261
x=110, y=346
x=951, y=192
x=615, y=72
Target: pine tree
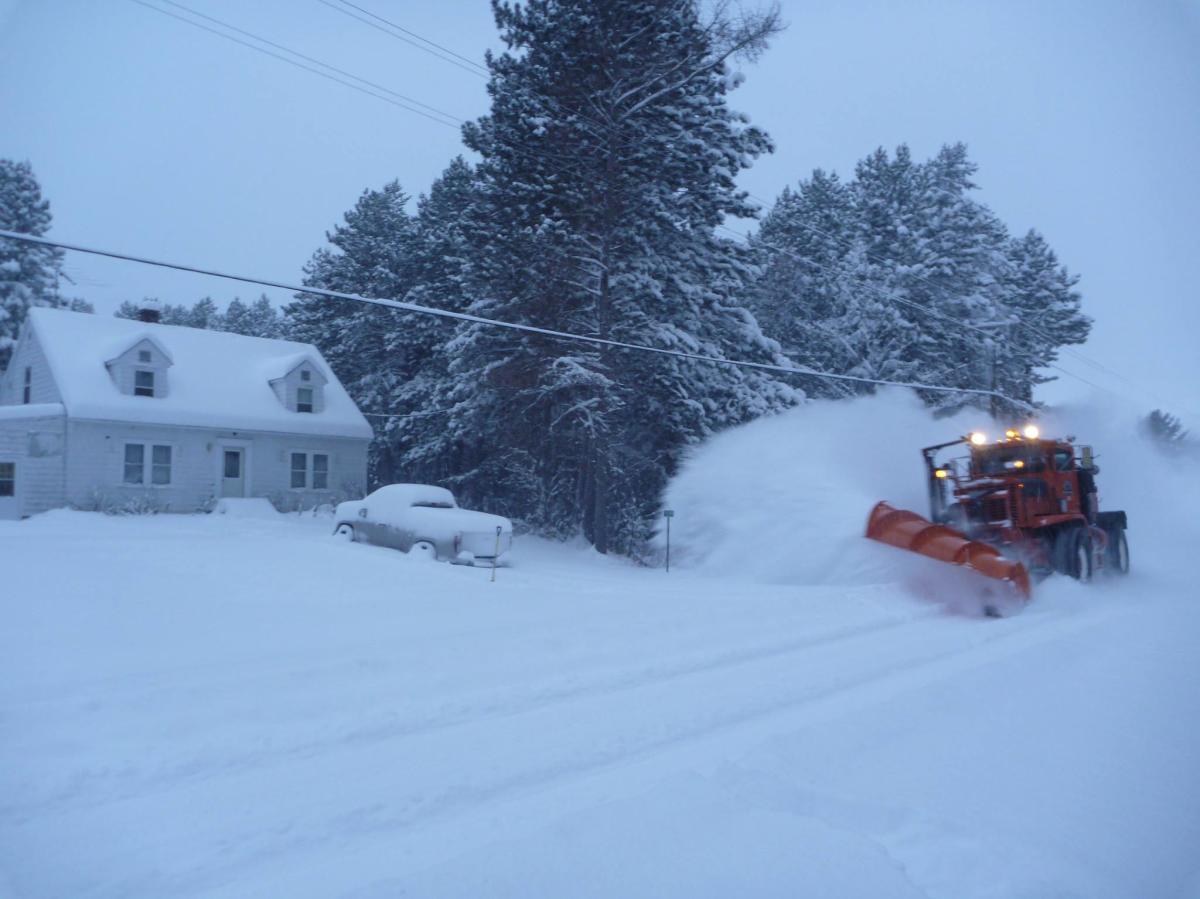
x=204, y=315
x=912, y=279
x=1045, y=313
x=801, y=296
x=29, y=274
x=414, y=444
x=236, y=318
x=1166, y=430
x=372, y=256
x=262, y=319
x=608, y=160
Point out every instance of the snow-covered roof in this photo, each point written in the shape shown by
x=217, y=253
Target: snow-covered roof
x=218, y=380
x=30, y=410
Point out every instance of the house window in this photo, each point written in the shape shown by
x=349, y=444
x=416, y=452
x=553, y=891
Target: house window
x=299, y=471
x=310, y=470
x=304, y=399
x=28, y=394
x=143, y=383
x=152, y=467
x=160, y=467
x=8, y=478
x=305, y=375
x=135, y=463
x=143, y=355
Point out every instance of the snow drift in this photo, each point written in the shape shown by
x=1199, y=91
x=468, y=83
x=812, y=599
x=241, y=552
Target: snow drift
x=785, y=499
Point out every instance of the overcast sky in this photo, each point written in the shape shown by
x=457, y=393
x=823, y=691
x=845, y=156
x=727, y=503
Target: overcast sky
x=157, y=138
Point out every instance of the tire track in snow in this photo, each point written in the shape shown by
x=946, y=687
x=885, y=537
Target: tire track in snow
x=132, y=785
x=434, y=814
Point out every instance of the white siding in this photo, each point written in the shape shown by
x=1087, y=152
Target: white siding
x=285, y=388
x=28, y=354
x=124, y=368
x=95, y=470
x=36, y=446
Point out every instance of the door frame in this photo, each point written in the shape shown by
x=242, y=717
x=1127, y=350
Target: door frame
x=247, y=449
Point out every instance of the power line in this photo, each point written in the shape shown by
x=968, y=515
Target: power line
x=396, y=99
x=403, y=306
x=475, y=69
x=811, y=228
x=456, y=121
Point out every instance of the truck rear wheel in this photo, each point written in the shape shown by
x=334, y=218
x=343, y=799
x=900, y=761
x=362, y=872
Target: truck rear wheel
x=1073, y=553
x=1117, y=555
x=1081, y=568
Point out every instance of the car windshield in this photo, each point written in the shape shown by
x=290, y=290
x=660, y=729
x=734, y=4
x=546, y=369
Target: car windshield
x=421, y=504
x=1009, y=459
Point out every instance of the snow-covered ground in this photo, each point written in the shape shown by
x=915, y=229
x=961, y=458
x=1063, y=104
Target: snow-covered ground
x=244, y=706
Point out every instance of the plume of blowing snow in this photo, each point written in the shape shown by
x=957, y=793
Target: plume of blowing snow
x=785, y=499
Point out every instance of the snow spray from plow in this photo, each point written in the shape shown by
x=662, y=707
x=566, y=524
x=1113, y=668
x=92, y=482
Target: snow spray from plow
x=908, y=530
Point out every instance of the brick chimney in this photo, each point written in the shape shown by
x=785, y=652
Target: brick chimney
x=150, y=310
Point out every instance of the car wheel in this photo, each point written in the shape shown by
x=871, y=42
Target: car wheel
x=424, y=549
x=345, y=532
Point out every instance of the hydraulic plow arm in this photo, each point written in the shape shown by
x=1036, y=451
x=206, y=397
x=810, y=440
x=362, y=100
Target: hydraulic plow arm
x=907, y=530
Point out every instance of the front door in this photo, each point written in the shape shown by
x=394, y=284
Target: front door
x=8, y=490
x=233, y=472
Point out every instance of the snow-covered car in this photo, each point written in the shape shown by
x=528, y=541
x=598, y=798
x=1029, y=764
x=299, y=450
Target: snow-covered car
x=424, y=519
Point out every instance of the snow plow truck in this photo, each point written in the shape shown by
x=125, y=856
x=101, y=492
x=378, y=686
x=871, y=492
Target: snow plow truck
x=1019, y=507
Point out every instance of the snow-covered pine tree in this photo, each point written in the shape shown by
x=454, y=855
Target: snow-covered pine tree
x=885, y=330
x=372, y=256
x=608, y=159
x=259, y=319
x=414, y=437
x=205, y=315
x=958, y=275
x=236, y=317
x=801, y=296
x=29, y=274
x=262, y=319
x=1166, y=430
x=1045, y=311
x=912, y=279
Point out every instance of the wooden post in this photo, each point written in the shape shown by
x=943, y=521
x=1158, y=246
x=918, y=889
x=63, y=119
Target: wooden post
x=496, y=557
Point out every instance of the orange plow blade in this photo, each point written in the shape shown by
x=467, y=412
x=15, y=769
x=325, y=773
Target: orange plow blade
x=907, y=530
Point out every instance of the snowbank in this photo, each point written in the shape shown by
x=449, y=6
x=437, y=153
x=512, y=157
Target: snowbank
x=785, y=499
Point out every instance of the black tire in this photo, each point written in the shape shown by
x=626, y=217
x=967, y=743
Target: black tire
x=346, y=532
x=1073, y=553
x=1081, y=564
x=1116, y=557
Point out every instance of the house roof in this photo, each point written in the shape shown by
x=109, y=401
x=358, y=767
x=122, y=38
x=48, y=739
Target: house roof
x=218, y=380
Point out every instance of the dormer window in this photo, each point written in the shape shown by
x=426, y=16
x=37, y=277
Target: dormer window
x=304, y=398
x=305, y=374
x=143, y=383
x=144, y=356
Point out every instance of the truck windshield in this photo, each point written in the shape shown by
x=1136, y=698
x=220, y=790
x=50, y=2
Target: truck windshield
x=1004, y=460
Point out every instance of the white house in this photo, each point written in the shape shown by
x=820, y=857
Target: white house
x=101, y=412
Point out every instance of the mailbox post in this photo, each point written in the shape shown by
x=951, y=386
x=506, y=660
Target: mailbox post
x=668, y=514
